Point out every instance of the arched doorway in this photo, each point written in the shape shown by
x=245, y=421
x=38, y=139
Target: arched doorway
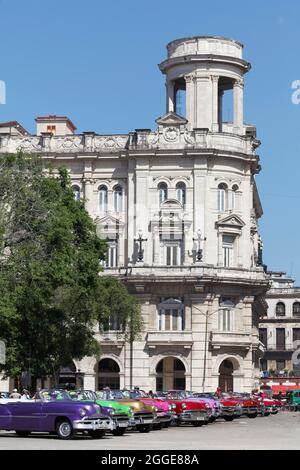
x=226, y=376
x=109, y=374
x=170, y=374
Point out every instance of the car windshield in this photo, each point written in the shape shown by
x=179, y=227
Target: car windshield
x=110, y=395
x=54, y=395
x=82, y=395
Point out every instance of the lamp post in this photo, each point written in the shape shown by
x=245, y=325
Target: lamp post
x=199, y=251
x=140, y=241
x=207, y=315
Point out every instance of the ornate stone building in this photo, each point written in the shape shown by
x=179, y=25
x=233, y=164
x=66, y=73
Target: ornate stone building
x=280, y=328
x=179, y=208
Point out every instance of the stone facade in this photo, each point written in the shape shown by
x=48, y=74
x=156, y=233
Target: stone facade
x=280, y=328
x=179, y=207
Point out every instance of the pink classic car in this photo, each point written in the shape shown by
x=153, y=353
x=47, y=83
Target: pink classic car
x=163, y=409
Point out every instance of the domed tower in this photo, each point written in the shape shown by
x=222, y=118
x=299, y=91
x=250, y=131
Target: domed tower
x=204, y=67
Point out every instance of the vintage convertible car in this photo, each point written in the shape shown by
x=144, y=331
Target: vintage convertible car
x=53, y=411
x=120, y=414
x=196, y=412
x=143, y=415
x=230, y=408
x=163, y=410
x=250, y=406
x=212, y=401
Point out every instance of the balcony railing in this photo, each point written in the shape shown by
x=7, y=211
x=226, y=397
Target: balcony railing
x=165, y=338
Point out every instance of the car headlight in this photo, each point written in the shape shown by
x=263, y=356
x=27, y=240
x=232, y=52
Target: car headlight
x=155, y=409
x=170, y=407
x=183, y=406
x=207, y=405
x=173, y=406
x=82, y=412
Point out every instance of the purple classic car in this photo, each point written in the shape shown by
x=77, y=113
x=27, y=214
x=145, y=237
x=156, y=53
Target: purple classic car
x=53, y=411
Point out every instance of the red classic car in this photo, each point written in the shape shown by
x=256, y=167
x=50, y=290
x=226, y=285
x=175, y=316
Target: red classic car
x=196, y=413
x=230, y=408
x=250, y=406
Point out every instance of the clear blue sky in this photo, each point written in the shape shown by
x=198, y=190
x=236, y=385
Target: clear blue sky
x=96, y=61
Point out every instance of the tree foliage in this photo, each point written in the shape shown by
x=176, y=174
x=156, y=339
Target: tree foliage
x=51, y=294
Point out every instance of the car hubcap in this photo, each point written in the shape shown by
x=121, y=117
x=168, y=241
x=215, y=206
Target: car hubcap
x=65, y=429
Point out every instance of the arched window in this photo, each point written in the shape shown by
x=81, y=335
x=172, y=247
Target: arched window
x=296, y=308
x=118, y=198
x=102, y=194
x=280, y=309
x=162, y=192
x=181, y=193
x=76, y=192
x=222, y=197
x=234, y=190
x=109, y=374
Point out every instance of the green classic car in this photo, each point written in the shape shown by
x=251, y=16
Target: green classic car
x=121, y=414
x=293, y=399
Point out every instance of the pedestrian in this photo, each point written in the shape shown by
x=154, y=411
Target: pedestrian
x=219, y=392
x=150, y=394
x=15, y=394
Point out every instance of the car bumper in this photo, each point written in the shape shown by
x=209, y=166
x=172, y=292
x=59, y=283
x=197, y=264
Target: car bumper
x=251, y=410
x=190, y=416
x=162, y=417
x=141, y=419
x=230, y=412
x=121, y=420
x=88, y=424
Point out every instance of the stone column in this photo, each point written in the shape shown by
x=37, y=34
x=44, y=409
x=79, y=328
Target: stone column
x=130, y=213
x=215, y=103
x=190, y=101
x=88, y=194
x=203, y=111
x=238, y=106
x=220, y=109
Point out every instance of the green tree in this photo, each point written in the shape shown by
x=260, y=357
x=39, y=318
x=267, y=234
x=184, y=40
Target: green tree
x=51, y=294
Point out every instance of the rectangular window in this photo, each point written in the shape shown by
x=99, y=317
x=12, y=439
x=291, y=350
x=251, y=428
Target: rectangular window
x=171, y=317
x=51, y=129
x=226, y=320
x=296, y=334
x=228, y=248
x=171, y=252
x=280, y=339
x=112, y=255
x=263, y=336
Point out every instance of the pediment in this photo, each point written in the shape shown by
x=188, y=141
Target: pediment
x=109, y=223
x=171, y=119
x=170, y=204
x=231, y=220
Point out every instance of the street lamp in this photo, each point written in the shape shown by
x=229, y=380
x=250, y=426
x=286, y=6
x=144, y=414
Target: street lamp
x=140, y=241
x=199, y=251
x=207, y=315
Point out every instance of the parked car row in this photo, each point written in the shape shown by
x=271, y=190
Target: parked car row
x=115, y=411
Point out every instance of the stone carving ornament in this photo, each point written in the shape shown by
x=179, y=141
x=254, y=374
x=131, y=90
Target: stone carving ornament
x=171, y=134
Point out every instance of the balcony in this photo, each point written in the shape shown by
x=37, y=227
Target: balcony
x=197, y=139
x=189, y=273
x=110, y=338
x=167, y=338
x=220, y=339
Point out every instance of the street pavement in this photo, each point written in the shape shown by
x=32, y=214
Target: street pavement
x=279, y=431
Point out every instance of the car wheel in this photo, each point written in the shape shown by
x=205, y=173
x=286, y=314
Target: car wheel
x=167, y=424
x=197, y=424
x=144, y=428
x=119, y=431
x=212, y=419
x=252, y=415
x=157, y=426
x=22, y=433
x=97, y=434
x=229, y=418
x=64, y=429
x=267, y=413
